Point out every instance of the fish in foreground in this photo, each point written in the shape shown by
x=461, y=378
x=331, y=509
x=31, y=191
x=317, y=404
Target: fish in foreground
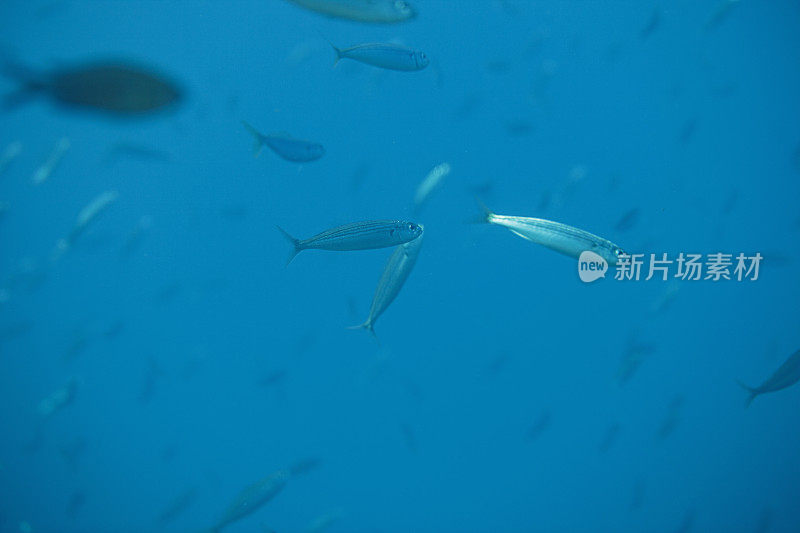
x=787, y=375
x=367, y=235
x=567, y=240
x=380, y=11
x=252, y=498
x=431, y=182
x=47, y=168
x=285, y=146
x=394, y=276
x=384, y=55
x=118, y=88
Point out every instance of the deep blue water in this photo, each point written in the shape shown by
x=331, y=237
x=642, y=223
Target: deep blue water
x=493, y=399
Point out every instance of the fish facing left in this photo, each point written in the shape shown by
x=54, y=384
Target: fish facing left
x=287, y=147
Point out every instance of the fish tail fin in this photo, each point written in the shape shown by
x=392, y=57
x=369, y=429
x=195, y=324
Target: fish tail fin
x=30, y=83
x=335, y=49
x=753, y=393
x=296, y=248
x=367, y=325
x=257, y=136
x=485, y=216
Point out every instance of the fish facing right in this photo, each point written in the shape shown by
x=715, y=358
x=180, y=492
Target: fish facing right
x=785, y=376
x=374, y=11
x=367, y=235
x=567, y=240
x=384, y=55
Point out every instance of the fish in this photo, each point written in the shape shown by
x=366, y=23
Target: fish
x=787, y=375
x=367, y=235
x=384, y=55
x=60, y=398
x=285, y=146
x=375, y=11
x=395, y=274
x=85, y=217
x=323, y=522
x=540, y=425
x=628, y=220
x=720, y=14
x=55, y=157
x=431, y=182
x=559, y=237
x=672, y=418
x=115, y=87
x=10, y=154
x=177, y=506
x=652, y=24
x=251, y=498
x=610, y=438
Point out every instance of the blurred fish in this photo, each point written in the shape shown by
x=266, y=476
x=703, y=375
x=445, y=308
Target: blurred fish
x=518, y=128
x=233, y=212
x=497, y=364
x=632, y=358
x=671, y=419
x=114, y=329
x=666, y=298
x=130, y=150
x=4, y=206
x=15, y=330
x=168, y=292
x=323, y=522
x=559, y=237
x=395, y=274
x=431, y=182
x=79, y=342
x=687, y=130
x=75, y=503
x=384, y=55
x=134, y=240
x=60, y=398
x=118, y=88
x=250, y=499
x=721, y=13
x=177, y=506
x=610, y=438
x=408, y=437
x=379, y=11
x=9, y=154
x=73, y=450
x=540, y=425
x=273, y=378
x=652, y=24
x=285, y=146
x=86, y=216
x=787, y=375
x=687, y=523
x=367, y=235
x=151, y=376
x=304, y=466
x=47, y=168
x=638, y=494
x=628, y=220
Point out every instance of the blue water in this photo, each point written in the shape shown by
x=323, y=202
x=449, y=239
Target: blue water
x=203, y=364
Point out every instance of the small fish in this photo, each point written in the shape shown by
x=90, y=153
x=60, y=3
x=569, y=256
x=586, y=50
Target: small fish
x=85, y=217
x=431, y=182
x=628, y=220
x=721, y=13
x=610, y=438
x=787, y=375
x=559, y=237
x=252, y=498
x=9, y=154
x=367, y=235
x=325, y=521
x=652, y=24
x=672, y=418
x=177, y=506
x=118, y=88
x=47, y=168
x=379, y=11
x=384, y=55
x=540, y=425
x=394, y=276
x=60, y=398
x=285, y=146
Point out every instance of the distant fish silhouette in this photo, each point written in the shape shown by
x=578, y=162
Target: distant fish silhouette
x=787, y=375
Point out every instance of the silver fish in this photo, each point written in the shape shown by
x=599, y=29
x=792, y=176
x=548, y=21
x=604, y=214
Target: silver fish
x=357, y=236
x=285, y=146
x=394, y=276
x=9, y=154
x=562, y=238
x=381, y=11
x=431, y=182
x=787, y=375
x=384, y=55
x=55, y=157
x=252, y=498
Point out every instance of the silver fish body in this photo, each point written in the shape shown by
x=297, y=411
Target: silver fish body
x=385, y=55
x=287, y=147
x=252, y=498
x=559, y=237
x=395, y=274
x=379, y=11
x=785, y=376
x=366, y=235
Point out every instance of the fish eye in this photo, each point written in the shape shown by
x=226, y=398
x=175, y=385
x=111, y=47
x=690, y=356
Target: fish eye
x=400, y=5
x=411, y=227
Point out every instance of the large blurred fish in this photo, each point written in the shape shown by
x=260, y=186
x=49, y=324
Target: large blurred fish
x=394, y=276
x=381, y=11
x=787, y=375
x=115, y=87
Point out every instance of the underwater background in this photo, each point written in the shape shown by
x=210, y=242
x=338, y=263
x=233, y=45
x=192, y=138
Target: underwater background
x=168, y=358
